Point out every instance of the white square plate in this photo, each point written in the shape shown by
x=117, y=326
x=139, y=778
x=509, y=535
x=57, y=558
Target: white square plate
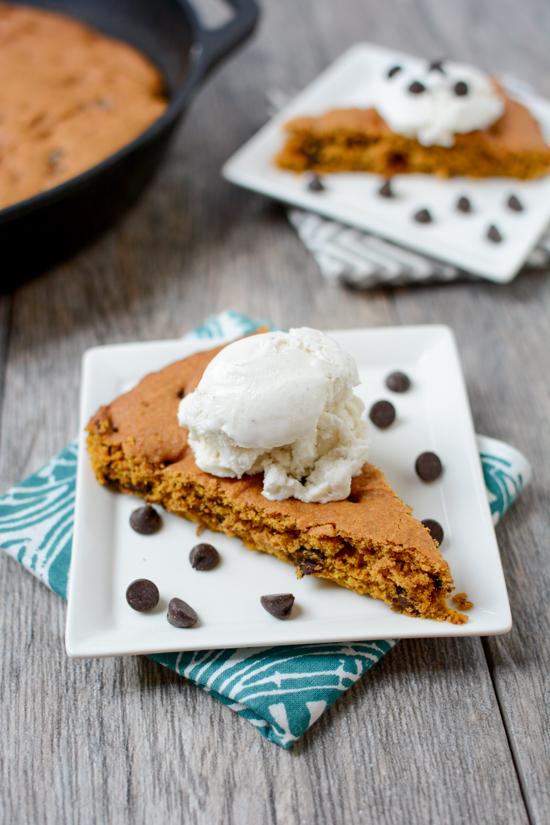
x=108, y=555
x=352, y=198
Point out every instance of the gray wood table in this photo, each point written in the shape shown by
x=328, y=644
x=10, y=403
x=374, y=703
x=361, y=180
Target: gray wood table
x=442, y=731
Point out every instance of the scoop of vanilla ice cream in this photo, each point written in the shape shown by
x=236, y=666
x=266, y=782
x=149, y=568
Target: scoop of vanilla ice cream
x=436, y=114
x=281, y=403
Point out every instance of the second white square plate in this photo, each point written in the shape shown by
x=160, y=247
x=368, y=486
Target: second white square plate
x=107, y=555
x=352, y=198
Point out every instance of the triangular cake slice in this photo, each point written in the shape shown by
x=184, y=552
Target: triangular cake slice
x=359, y=140
x=369, y=543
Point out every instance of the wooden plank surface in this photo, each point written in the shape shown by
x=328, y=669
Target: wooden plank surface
x=449, y=731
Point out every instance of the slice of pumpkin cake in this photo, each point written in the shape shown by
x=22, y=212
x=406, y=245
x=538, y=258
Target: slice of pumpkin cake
x=273, y=452
x=442, y=118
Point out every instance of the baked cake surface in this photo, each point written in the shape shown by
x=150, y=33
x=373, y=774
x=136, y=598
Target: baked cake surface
x=70, y=97
x=344, y=140
x=369, y=543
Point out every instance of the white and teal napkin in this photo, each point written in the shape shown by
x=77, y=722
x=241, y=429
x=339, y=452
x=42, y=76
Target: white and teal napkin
x=282, y=691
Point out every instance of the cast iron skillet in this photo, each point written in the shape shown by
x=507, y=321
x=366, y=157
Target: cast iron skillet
x=38, y=231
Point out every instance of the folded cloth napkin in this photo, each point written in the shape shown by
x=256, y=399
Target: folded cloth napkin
x=358, y=259
x=282, y=691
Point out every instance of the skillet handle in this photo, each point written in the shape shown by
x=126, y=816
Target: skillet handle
x=215, y=44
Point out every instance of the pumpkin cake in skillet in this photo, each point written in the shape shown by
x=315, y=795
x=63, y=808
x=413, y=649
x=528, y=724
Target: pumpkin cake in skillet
x=337, y=519
x=70, y=97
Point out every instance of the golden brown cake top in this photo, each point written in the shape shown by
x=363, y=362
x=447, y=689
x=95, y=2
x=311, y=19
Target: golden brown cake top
x=144, y=422
x=69, y=97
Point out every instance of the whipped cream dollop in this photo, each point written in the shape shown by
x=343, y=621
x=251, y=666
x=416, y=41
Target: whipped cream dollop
x=434, y=103
x=281, y=403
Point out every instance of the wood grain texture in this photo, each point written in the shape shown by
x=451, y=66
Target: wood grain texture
x=442, y=731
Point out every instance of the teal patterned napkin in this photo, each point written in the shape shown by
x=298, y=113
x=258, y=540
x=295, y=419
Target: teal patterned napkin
x=282, y=691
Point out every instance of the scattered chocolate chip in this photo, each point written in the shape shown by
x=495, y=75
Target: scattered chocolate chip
x=315, y=184
x=382, y=414
x=493, y=234
x=423, y=216
x=386, y=190
x=145, y=520
x=204, y=557
x=398, y=381
x=514, y=204
x=278, y=604
x=416, y=87
x=142, y=595
x=181, y=614
x=393, y=70
x=464, y=204
x=436, y=66
x=435, y=529
x=461, y=88
x=428, y=466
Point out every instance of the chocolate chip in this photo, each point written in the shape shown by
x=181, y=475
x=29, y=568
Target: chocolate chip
x=416, y=87
x=204, y=557
x=145, y=520
x=428, y=466
x=309, y=554
x=398, y=381
x=386, y=190
x=423, y=216
x=402, y=603
x=461, y=88
x=493, y=234
x=308, y=568
x=382, y=414
x=278, y=604
x=436, y=66
x=308, y=560
x=393, y=70
x=514, y=204
x=435, y=529
x=464, y=204
x=181, y=614
x=315, y=184
x=142, y=595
